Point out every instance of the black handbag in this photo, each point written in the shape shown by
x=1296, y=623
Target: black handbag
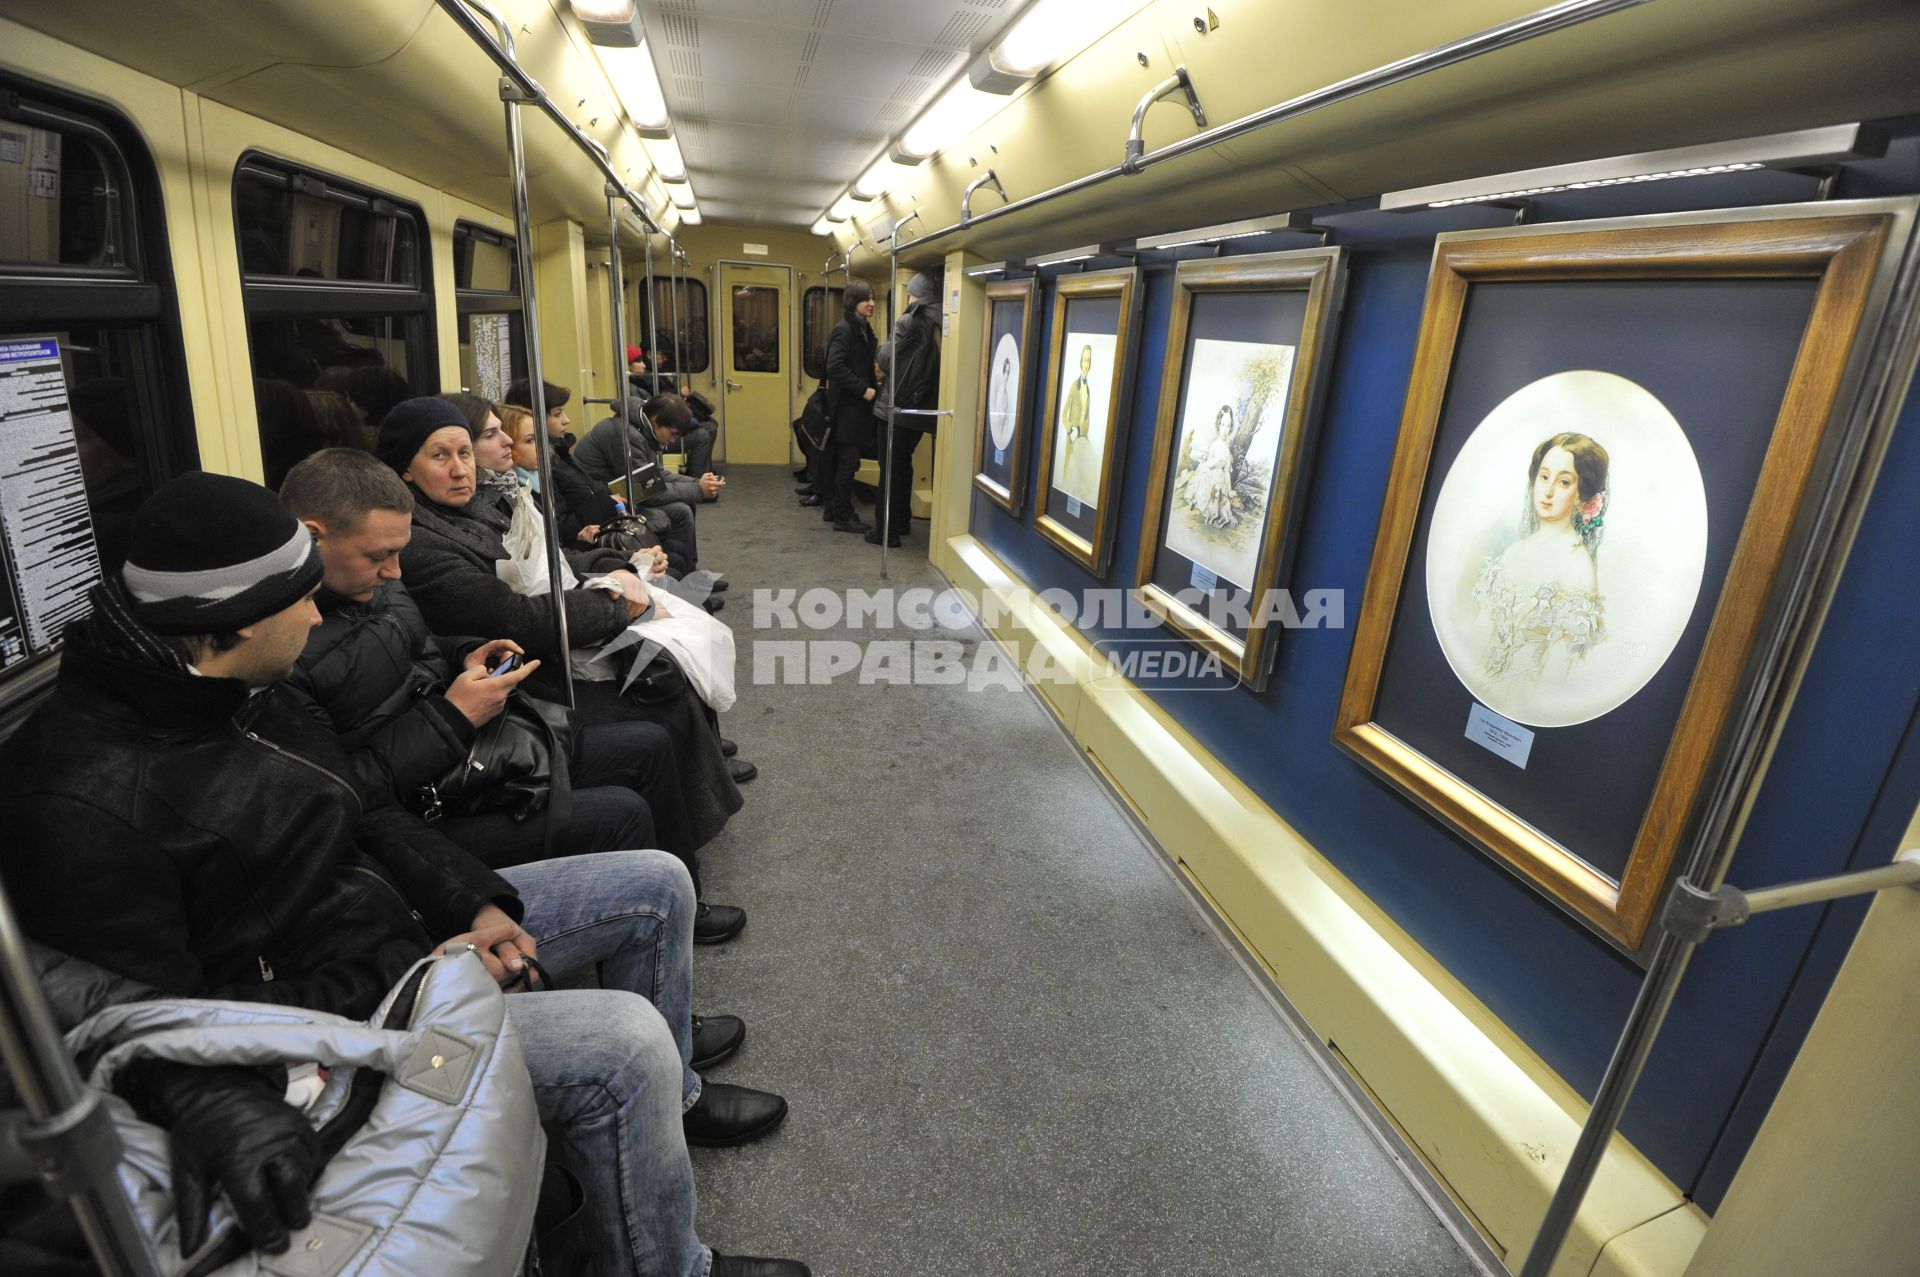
x=628, y=534
x=660, y=683
x=516, y=764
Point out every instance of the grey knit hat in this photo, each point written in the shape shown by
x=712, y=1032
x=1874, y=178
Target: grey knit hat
x=211, y=553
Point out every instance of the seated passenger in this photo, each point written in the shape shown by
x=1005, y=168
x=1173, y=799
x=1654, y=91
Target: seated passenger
x=657, y=422
x=173, y=819
x=407, y=705
x=450, y=569
x=582, y=505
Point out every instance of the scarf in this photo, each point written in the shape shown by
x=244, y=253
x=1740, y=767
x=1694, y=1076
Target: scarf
x=115, y=631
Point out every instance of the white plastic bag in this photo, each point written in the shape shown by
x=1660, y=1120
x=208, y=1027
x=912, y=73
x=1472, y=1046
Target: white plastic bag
x=700, y=645
x=525, y=567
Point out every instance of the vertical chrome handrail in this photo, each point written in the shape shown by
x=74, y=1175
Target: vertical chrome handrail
x=617, y=285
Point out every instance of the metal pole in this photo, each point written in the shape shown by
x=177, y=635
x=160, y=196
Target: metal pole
x=511, y=96
x=1903, y=872
x=676, y=280
x=502, y=53
x=1810, y=582
x=1545, y=22
x=618, y=287
x=647, y=309
x=66, y=1115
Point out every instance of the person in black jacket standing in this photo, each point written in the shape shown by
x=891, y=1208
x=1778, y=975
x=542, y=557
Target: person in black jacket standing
x=915, y=373
x=852, y=383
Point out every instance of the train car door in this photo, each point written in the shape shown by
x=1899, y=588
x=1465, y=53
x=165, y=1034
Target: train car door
x=754, y=378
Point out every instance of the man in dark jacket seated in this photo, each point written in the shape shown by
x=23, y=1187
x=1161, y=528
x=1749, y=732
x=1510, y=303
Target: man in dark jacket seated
x=173, y=819
x=408, y=706
x=656, y=424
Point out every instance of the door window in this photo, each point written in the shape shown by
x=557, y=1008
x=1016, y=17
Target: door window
x=756, y=328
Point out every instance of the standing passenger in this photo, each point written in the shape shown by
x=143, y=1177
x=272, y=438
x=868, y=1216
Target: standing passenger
x=851, y=386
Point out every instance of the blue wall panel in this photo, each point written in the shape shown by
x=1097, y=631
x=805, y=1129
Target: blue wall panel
x=1840, y=785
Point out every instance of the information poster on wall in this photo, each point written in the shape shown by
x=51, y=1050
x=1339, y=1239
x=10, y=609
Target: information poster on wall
x=51, y=558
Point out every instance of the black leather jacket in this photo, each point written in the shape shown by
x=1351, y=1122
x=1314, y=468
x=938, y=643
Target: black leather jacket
x=373, y=674
x=206, y=841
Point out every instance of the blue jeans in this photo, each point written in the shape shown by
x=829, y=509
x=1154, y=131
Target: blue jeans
x=610, y=1065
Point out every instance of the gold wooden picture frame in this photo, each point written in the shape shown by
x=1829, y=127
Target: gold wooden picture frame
x=1269, y=402
x=1008, y=491
x=1841, y=257
x=1091, y=544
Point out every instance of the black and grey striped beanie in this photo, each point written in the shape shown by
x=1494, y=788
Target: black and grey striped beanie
x=212, y=553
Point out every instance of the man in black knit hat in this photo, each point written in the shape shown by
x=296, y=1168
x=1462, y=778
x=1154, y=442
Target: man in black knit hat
x=174, y=821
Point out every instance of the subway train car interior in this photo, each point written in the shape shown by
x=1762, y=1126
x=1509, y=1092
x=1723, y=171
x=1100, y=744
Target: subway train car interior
x=1096, y=638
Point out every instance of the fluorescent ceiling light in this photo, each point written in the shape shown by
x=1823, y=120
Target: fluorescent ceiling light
x=1805, y=148
x=1068, y=255
x=667, y=160
x=1046, y=32
x=681, y=194
x=842, y=209
x=989, y=268
x=637, y=85
x=879, y=179
x=689, y=216
x=823, y=227
x=950, y=117
x=612, y=23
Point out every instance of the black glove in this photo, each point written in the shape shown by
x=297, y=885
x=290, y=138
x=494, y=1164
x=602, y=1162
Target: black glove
x=233, y=1130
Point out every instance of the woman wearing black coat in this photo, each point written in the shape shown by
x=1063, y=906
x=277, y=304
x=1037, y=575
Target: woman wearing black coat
x=851, y=385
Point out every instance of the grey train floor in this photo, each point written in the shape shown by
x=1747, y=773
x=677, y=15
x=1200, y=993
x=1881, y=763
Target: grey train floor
x=1011, y=1044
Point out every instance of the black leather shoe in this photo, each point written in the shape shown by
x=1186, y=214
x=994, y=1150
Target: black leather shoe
x=804, y=490
x=712, y=604
x=852, y=524
x=719, y=585
x=717, y=924
x=741, y=770
x=727, y=748
x=750, y=1266
x=893, y=542
x=725, y=1115
x=814, y=500
x=715, y=1037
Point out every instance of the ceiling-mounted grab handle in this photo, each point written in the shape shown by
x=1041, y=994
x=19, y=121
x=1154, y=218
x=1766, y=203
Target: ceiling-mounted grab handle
x=988, y=178
x=1178, y=82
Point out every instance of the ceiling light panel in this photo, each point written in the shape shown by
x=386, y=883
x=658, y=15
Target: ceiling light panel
x=667, y=160
x=950, y=117
x=637, y=85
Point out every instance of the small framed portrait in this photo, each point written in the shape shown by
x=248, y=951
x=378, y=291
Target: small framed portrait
x=1088, y=370
x=1247, y=344
x=1000, y=450
x=1597, y=509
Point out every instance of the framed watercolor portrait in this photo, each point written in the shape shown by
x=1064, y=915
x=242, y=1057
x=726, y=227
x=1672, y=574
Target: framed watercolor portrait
x=1247, y=346
x=1612, y=434
x=1088, y=377
x=1000, y=451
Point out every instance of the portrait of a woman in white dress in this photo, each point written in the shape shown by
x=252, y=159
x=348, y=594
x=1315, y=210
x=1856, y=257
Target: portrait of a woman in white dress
x=1001, y=391
x=1558, y=611
x=1540, y=598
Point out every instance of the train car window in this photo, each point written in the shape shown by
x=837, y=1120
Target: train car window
x=339, y=307
x=756, y=329
x=486, y=282
x=94, y=413
x=819, y=311
x=693, y=325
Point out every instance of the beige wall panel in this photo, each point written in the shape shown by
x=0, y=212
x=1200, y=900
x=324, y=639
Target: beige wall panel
x=1828, y=1185
x=560, y=293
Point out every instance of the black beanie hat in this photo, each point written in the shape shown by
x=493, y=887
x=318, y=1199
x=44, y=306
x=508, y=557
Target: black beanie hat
x=410, y=424
x=212, y=553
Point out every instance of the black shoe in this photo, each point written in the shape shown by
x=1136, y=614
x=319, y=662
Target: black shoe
x=813, y=500
x=717, y=924
x=725, y=1115
x=750, y=1266
x=741, y=770
x=804, y=490
x=712, y=604
x=715, y=1037
x=719, y=585
x=893, y=542
x=852, y=523
x=727, y=748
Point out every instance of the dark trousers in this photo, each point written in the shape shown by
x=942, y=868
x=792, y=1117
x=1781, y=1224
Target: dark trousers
x=672, y=522
x=843, y=461
x=627, y=796
x=895, y=511
x=697, y=449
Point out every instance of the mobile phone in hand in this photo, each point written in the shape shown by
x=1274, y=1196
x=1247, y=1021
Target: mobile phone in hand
x=507, y=662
